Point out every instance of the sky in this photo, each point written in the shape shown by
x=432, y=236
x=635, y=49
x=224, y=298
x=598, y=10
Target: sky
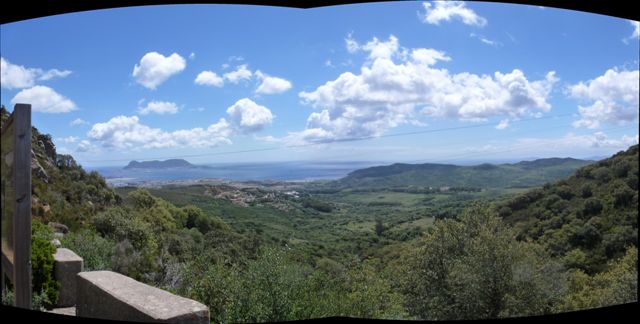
x=395, y=81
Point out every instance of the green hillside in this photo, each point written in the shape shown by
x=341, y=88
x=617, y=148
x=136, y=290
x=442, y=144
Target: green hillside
x=522, y=174
x=587, y=219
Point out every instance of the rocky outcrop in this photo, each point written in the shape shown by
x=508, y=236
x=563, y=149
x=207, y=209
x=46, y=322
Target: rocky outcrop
x=45, y=142
x=37, y=170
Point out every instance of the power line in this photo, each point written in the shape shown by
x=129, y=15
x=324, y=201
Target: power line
x=343, y=140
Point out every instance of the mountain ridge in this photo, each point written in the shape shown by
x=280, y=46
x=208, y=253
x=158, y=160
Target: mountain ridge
x=520, y=174
x=156, y=164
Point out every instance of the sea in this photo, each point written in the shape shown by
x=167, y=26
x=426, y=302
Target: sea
x=274, y=171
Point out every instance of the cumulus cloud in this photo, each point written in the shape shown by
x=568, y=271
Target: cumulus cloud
x=248, y=116
x=158, y=107
x=393, y=83
x=126, y=132
x=17, y=76
x=44, y=99
x=271, y=85
x=241, y=73
x=447, y=10
x=375, y=47
x=209, y=78
x=613, y=97
x=155, y=68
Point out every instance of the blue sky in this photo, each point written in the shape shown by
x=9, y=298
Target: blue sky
x=421, y=81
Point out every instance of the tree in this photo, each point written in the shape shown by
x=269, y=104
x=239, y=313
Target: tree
x=618, y=285
x=474, y=268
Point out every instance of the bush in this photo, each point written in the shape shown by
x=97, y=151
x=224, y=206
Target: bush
x=95, y=250
x=120, y=224
x=42, y=262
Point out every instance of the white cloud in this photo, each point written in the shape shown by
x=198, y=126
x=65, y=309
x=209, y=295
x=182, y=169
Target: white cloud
x=54, y=73
x=387, y=91
x=44, y=99
x=248, y=116
x=85, y=146
x=78, y=121
x=124, y=132
x=636, y=31
x=328, y=63
x=209, y=78
x=192, y=56
x=352, y=45
x=375, y=47
x=68, y=139
x=447, y=10
x=17, y=76
x=271, y=85
x=428, y=56
x=503, y=124
x=156, y=68
x=614, y=98
x=572, y=141
x=241, y=73
x=571, y=144
x=158, y=107
x=485, y=40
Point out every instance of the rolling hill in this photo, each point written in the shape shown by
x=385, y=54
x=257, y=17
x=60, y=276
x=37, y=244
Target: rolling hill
x=522, y=174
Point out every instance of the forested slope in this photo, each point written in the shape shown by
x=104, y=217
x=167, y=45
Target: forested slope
x=587, y=219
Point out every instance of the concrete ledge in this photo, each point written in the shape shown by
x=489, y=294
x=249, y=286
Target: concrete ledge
x=67, y=265
x=110, y=295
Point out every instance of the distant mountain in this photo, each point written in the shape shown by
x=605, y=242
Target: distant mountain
x=172, y=163
x=521, y=174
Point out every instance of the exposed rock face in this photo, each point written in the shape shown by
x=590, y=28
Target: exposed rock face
x=37, y=170
x=44, y=141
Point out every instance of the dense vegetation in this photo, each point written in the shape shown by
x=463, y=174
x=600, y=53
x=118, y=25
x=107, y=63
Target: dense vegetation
x=254, y=254
x=587, y=219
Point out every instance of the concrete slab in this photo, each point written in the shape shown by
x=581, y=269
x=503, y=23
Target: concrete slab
x=110, y=295
x=67, y=265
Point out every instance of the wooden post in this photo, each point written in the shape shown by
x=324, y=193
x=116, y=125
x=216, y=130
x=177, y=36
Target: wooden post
x=16, y=260
x=22, y=220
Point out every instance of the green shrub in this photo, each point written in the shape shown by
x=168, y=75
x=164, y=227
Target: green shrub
x=95, y=250
x=42, y=263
